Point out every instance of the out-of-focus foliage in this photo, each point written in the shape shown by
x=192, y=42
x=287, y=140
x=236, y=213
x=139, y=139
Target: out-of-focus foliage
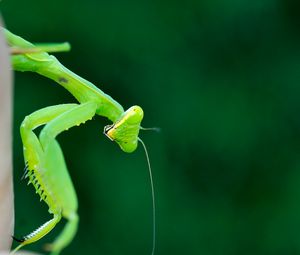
x=221, y=79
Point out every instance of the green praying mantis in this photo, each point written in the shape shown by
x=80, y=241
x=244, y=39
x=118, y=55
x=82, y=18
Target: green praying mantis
x=45, y=166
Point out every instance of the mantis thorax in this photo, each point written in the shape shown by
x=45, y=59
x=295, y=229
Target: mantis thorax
x=126, y=129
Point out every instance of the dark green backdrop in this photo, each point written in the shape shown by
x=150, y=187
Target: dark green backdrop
x=221, y=79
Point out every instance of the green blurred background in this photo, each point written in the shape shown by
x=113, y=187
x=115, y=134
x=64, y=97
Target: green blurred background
x=221, y=79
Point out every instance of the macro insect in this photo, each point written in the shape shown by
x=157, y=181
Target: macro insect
x=45, y=166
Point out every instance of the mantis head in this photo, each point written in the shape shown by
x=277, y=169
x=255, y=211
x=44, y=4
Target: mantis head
x=126, y=129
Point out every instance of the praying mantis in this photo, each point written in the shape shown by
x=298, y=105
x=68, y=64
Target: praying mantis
x=45, y=166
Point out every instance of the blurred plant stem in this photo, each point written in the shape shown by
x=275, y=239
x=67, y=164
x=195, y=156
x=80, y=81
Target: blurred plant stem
x=6, y=184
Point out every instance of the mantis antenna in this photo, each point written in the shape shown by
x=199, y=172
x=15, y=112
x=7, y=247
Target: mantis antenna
x=156, y=129
x=153, y=197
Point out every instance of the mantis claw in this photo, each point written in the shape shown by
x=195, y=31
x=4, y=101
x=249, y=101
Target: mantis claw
x=18, y=240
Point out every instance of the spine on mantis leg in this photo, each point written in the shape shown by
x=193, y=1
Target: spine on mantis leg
x=48, y=66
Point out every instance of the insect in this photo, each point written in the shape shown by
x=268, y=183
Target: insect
x=45, y=166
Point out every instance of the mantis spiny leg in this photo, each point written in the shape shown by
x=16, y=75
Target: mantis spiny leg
x=35, y=165
x=47, y=170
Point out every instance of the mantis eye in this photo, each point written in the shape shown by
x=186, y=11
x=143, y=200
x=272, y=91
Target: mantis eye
x=106, y=130
x=126, y=129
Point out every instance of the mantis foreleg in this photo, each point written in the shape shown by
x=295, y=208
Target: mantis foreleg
x=47, y=170
x=33, y=155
